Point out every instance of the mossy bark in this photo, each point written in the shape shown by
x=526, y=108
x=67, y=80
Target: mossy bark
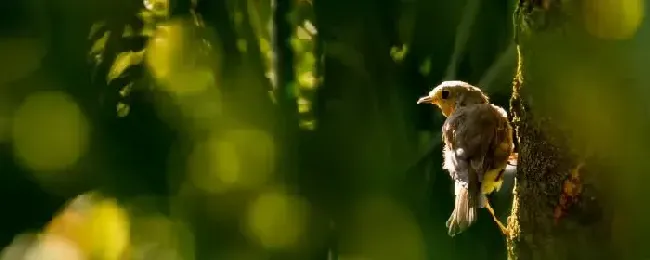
x=548, y=154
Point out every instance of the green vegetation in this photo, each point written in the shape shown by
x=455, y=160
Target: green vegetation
x=276, y=129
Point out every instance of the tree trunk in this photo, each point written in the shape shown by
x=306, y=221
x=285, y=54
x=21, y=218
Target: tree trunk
x=562, y=107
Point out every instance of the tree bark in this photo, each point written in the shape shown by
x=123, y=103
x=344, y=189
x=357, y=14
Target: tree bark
x=562, y=72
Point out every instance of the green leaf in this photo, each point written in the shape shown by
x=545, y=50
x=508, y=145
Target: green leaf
x=398, y=53
x=122, y=62
x=123, y=109
x=94, y=29
x=99, y=44
x=126, y=90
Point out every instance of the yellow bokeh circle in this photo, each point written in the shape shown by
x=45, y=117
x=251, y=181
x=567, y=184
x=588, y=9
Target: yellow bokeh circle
x=49, y=132
x=613, y=19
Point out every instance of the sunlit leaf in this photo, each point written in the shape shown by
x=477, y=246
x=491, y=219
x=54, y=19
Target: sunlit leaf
x=126, y=90
x=150, y=14
x=147, y=17
x=304, y=106
x=307, y=25
x=95, y=28
x=99, y=44
x=123, y=61
x=303, y=34
x=398, y=53
x=307, y=80
x=265, y=46
x=157, y=7
x=307, y=124
x=123, y=109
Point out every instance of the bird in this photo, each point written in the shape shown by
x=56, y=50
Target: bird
x=477, y=145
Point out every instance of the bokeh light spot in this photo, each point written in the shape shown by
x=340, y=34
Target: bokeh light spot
x=95, y=226
x=228, y=166
x=307, y=80
x=49, y=132
x=20, y=57
x=382, y=229
x=55, y=248
x=110, y=229
x=613, y=19
x=158, y=7
x=242, y=45
x=155, y=236
x=277, y=220
x=159, y=51
x=232, y=159
x=174, y=58
x=18, y=248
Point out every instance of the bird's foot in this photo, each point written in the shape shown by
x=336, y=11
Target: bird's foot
x=502, y=227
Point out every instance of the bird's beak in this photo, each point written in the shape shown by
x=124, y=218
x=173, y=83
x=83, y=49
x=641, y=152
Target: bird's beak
x=426, y=100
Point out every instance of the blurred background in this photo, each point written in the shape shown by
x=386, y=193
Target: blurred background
x=242, y=129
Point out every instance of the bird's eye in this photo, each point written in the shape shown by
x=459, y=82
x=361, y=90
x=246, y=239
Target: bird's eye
x=444, y=94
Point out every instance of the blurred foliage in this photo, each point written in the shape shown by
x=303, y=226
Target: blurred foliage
x=169, y=143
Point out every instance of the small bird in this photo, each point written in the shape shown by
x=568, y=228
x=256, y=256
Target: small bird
x=478, y=142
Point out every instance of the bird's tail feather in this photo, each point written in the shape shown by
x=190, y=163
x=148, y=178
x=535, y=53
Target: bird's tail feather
x=465, y=212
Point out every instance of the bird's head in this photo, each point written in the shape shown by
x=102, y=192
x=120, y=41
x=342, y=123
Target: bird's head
x=451, y=94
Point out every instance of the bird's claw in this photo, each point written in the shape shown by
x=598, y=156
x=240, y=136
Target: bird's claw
x=502, y=227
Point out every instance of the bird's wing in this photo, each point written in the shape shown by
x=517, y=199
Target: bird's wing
x=468, y=134
x=471, y=133
x=503, y=145
x=500, y=150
